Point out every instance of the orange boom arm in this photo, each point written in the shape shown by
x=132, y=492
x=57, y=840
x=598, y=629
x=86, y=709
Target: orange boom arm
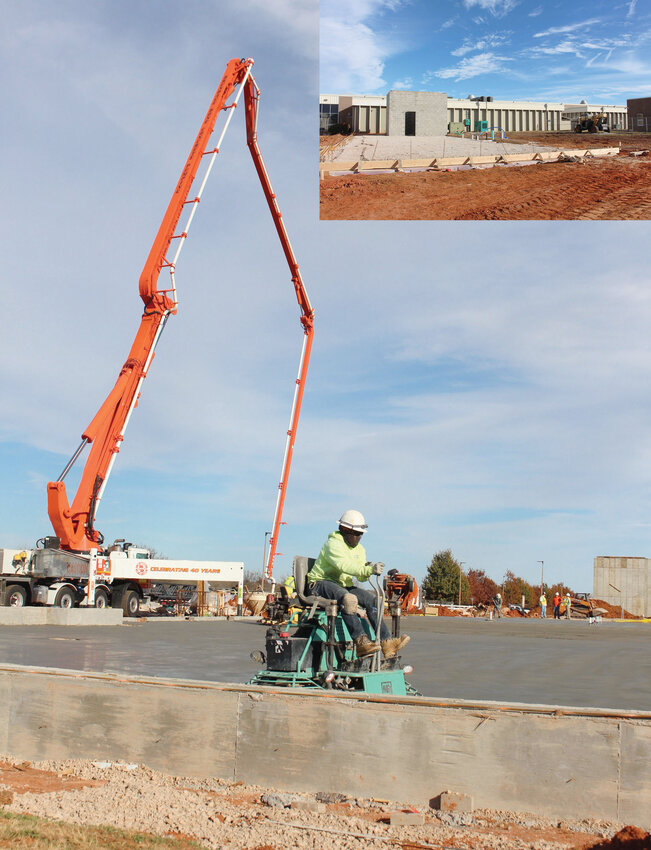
x=74, y=524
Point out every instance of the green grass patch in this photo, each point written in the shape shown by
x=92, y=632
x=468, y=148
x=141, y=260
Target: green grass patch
x=28, y=832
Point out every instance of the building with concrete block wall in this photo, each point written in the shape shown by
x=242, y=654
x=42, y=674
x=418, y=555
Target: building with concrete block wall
x=417, y=113
x=632, y=577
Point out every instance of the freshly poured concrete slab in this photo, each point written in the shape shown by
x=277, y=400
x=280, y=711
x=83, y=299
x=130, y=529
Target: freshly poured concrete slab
x=533, y=661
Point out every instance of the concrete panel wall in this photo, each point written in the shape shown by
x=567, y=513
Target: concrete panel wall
x=561, y=764
x=632, y=576
x=431, y=110
x=37, y=616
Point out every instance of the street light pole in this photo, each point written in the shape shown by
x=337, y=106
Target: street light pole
x=461, y=563
x=542, y=567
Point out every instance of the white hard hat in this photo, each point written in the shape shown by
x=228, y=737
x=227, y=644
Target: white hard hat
x=353, y=520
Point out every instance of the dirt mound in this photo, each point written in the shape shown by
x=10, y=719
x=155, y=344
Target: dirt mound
x=614, y=610
x=564, y=141
x=629, y=838
x=449, y=612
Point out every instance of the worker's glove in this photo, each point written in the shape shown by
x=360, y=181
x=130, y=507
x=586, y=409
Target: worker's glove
x=378, y=568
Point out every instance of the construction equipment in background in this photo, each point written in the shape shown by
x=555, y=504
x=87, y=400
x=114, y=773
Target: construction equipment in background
x=584, y=607
x=77, y=548
x=588, y=122
x=403, y=589
x=319, y=651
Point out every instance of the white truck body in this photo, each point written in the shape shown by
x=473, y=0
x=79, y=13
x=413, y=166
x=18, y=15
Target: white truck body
x=51, y=577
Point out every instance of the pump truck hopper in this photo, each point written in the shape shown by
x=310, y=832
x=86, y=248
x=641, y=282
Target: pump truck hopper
x=319, y=652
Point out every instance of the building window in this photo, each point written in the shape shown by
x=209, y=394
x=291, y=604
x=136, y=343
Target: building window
x=328, y=116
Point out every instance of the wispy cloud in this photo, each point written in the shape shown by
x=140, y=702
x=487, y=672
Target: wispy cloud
x=484, y=43
x=631, y=9
x=536, y=12
x=563, y=47
x=482, y=63
x=568, y=28
x=405, y=84
x=352, y=50
x=497, y=8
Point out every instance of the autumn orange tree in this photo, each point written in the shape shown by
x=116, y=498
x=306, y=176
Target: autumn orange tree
x=481, y=588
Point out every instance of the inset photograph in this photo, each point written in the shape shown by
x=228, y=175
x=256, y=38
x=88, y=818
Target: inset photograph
x=484, y=109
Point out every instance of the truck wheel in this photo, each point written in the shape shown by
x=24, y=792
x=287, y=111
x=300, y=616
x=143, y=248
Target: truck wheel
x=65, y=598
x=101, y=598
x=16, y=596
x=130, y=603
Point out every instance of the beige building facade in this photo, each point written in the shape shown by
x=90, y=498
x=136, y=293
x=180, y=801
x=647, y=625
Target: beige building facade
x=429, y=113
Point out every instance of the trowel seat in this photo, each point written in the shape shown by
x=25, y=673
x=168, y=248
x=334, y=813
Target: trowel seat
x=302, y=566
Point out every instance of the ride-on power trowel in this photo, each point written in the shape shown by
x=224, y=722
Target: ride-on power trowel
x=319, y=652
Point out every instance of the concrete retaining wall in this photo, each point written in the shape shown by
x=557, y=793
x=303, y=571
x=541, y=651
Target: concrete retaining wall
x=541, y=759
x=633, y=578
x=37, y=616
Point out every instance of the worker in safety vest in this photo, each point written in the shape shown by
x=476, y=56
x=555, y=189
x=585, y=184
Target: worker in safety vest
x=568, y=605
x=342, y=559
x=543, y=606
x=557, y=605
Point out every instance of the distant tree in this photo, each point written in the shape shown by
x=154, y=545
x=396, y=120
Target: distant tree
x=442, y=579
x=153, y=553
x=252, y=578
x=514, y=588
x=482, y=589
x=560, y=587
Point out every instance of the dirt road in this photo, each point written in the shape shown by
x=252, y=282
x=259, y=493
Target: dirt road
x=616, y=188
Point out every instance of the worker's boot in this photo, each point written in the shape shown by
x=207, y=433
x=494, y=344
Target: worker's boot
x=364, y=646
x=392, y=646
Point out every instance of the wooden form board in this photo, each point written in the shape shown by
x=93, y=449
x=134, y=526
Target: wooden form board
x=360, y=166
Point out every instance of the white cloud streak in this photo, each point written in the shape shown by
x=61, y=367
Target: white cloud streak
x=497, y=8
x=568, y=28
x=475, y=66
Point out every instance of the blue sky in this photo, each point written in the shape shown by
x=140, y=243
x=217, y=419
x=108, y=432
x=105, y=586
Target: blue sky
x=474, y=385
x=510, y=49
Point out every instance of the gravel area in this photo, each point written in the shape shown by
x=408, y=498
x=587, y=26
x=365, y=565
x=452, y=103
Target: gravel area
x=219, y=813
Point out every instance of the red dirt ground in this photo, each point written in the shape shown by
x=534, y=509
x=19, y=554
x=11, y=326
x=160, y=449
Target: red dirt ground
x=617, y=188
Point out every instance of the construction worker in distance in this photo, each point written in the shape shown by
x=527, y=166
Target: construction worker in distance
x=568, y=606
x=543, y=606
x=497, y=604
x=556, y=601
x=342, y=559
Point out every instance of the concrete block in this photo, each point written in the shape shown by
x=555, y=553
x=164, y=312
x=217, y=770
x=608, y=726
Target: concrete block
x=452, y=801
x=308, y=806
x=406, y=818
x=430, y=111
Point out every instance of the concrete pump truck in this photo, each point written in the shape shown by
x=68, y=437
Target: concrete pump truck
x=74, y=566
